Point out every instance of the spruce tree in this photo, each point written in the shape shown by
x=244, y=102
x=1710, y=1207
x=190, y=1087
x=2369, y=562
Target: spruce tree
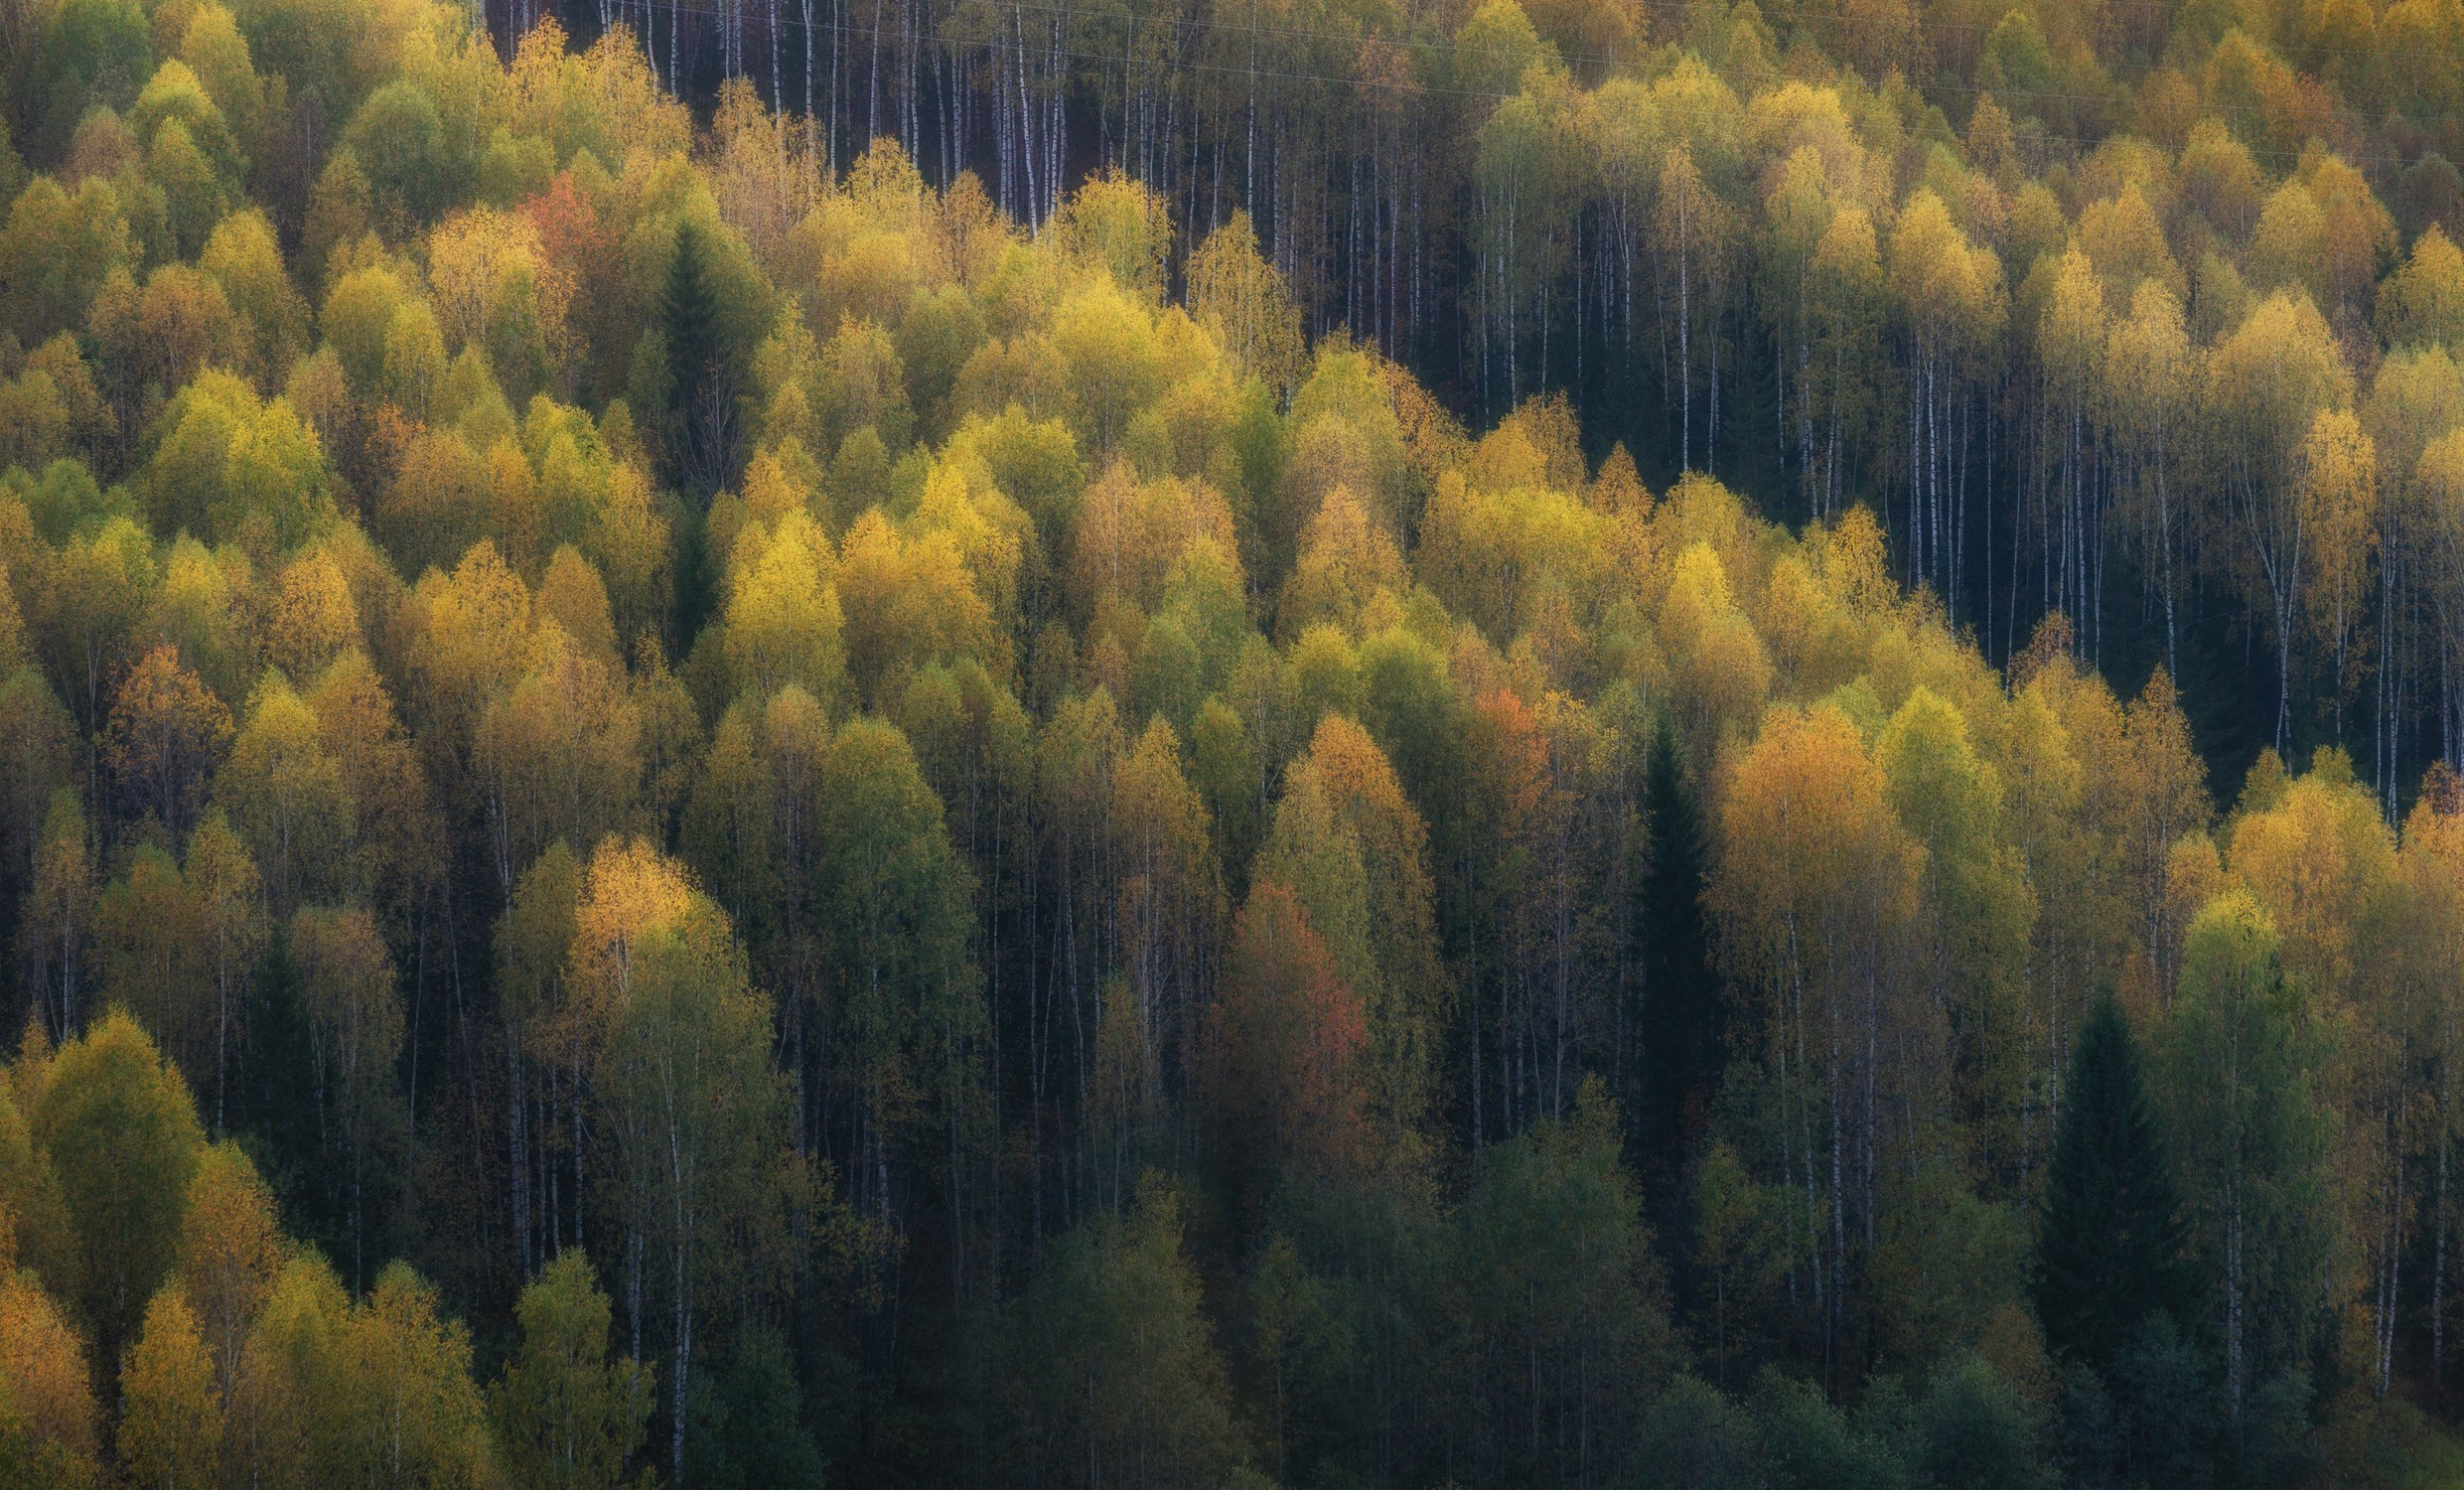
x=1681, y=1035
x=750, y=1428
x=2110, y=1245
x=699, y=401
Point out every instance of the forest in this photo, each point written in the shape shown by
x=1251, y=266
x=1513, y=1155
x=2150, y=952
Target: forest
x=1596, y=743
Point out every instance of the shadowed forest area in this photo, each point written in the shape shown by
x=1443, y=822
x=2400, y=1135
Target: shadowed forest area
x=1598, y=745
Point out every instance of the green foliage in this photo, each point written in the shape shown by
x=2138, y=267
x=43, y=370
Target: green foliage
x=1692, y=1436
x=172, y=1427
x=749, y=1422
x=1562, y=1291
x=694, y=1105
x=1946, y=1267
x=57, y=250
x=2239, y=1071
x=566, y=1417
x=896, y=952
x=377, y=1389
x=398, y=139
x=2110, y=1243
x=1113, y=1362
x=115, y=1122
x=696, y=384
x=92, y=53
x=770, y=842
x=1808, y=1442
x=1972, y=1427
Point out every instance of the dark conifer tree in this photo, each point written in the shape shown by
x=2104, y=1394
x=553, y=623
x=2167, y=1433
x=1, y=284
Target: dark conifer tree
x=750, y=1429
x=701, y=405
x=2110, y=1245
x=276, y=1116
x=1682, y=1036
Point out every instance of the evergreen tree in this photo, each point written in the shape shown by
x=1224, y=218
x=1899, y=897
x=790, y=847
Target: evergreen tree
x=2110, y=1251
x=699, y=400
x=749, y=1422
x=1682, y=1034
x=276, y=1107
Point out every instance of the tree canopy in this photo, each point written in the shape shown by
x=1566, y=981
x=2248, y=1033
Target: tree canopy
x=1542, y=741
